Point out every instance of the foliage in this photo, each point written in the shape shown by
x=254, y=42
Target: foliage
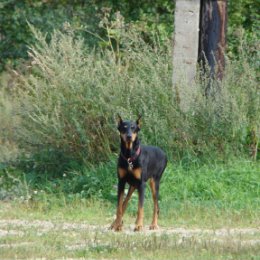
x=66, y=113
x=45, y=15
x=244, y=13
x=80, y=15
x=243, y=27
x=83, y=16
x=74, y=104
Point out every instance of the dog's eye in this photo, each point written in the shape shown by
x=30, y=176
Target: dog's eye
x=123, y=128
x=133, y=127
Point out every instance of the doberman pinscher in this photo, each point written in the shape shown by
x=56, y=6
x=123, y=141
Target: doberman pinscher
x=136, y=164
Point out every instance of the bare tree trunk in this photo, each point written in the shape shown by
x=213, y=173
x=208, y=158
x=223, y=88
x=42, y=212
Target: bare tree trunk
x=213, y=36
x=185, y=50
x=200, y=35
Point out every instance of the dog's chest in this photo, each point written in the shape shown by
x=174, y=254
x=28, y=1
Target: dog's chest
x=130, y=173
x=135, y=172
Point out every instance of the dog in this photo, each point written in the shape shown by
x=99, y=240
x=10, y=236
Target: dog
x=136, y=165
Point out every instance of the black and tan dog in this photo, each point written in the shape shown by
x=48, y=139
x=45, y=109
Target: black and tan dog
x=136, y=164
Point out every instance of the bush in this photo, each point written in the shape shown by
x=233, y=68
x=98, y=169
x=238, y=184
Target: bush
x=81, y=15
x=68, y=102
x=150, y=18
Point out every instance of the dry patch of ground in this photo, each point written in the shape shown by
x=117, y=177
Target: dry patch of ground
x=18, y=227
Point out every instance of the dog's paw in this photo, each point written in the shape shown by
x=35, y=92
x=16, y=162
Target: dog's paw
x=116, y=225
x=153, y=227
x=138, y=228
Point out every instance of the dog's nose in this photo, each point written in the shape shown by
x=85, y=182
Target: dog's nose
x=129, y=137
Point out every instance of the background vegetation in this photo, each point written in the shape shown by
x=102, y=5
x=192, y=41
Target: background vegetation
x=67, y=68
x=64, y=84
x=84, y=16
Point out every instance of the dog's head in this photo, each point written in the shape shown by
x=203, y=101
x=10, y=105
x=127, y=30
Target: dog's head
x=128, y=131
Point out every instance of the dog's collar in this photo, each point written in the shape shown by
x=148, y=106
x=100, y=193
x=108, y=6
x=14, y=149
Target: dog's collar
x=130, y=160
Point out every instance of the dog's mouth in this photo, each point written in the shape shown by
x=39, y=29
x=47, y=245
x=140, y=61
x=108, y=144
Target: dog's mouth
x=128, y=140
x=129, y=144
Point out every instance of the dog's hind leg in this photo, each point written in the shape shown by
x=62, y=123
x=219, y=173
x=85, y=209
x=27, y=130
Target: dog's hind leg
x=140, y=213
x=155, y=193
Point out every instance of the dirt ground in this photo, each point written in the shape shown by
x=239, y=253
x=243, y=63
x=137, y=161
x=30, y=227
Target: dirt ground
x=241, y=236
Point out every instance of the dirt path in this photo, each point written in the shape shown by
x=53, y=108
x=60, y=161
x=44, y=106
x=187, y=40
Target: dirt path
x=38, y=239
x=18, y=228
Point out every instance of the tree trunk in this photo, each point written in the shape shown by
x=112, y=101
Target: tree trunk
x=185, y=50
x=213, y=36
x=200, y=35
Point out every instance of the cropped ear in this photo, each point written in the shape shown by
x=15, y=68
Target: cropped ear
x=119, y=120
x=138, y=121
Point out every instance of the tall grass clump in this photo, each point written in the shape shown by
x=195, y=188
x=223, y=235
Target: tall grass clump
x=8, y=146
x=227, y=119
x=68, y=103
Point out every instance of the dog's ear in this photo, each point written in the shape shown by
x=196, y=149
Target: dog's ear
x=138, y=121
x=119, y=120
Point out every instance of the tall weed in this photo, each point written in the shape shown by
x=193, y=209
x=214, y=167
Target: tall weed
x=67, y=104
x=8, y=123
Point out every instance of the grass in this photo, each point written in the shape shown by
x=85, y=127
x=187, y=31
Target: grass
x=201, y=200
x=97, y=245
x=79, y=230
x=189, y=195
x=57, y=119
x=98, y=212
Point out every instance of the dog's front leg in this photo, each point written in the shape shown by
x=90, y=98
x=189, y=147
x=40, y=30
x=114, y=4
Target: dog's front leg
x=118, y=223
x=128, y=196
x=140, y=213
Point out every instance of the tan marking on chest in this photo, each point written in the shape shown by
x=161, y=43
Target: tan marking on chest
x=137, y=173
x=122, y=172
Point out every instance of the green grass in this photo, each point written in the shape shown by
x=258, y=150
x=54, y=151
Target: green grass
x=189, y=194
x=203, y=198
x=98, y=212
x=234, y=185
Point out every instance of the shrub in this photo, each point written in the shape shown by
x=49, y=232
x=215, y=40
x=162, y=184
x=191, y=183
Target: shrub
x=68, y=103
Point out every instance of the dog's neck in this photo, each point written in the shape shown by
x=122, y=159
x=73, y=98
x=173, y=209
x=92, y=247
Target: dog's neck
x=130, y=153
